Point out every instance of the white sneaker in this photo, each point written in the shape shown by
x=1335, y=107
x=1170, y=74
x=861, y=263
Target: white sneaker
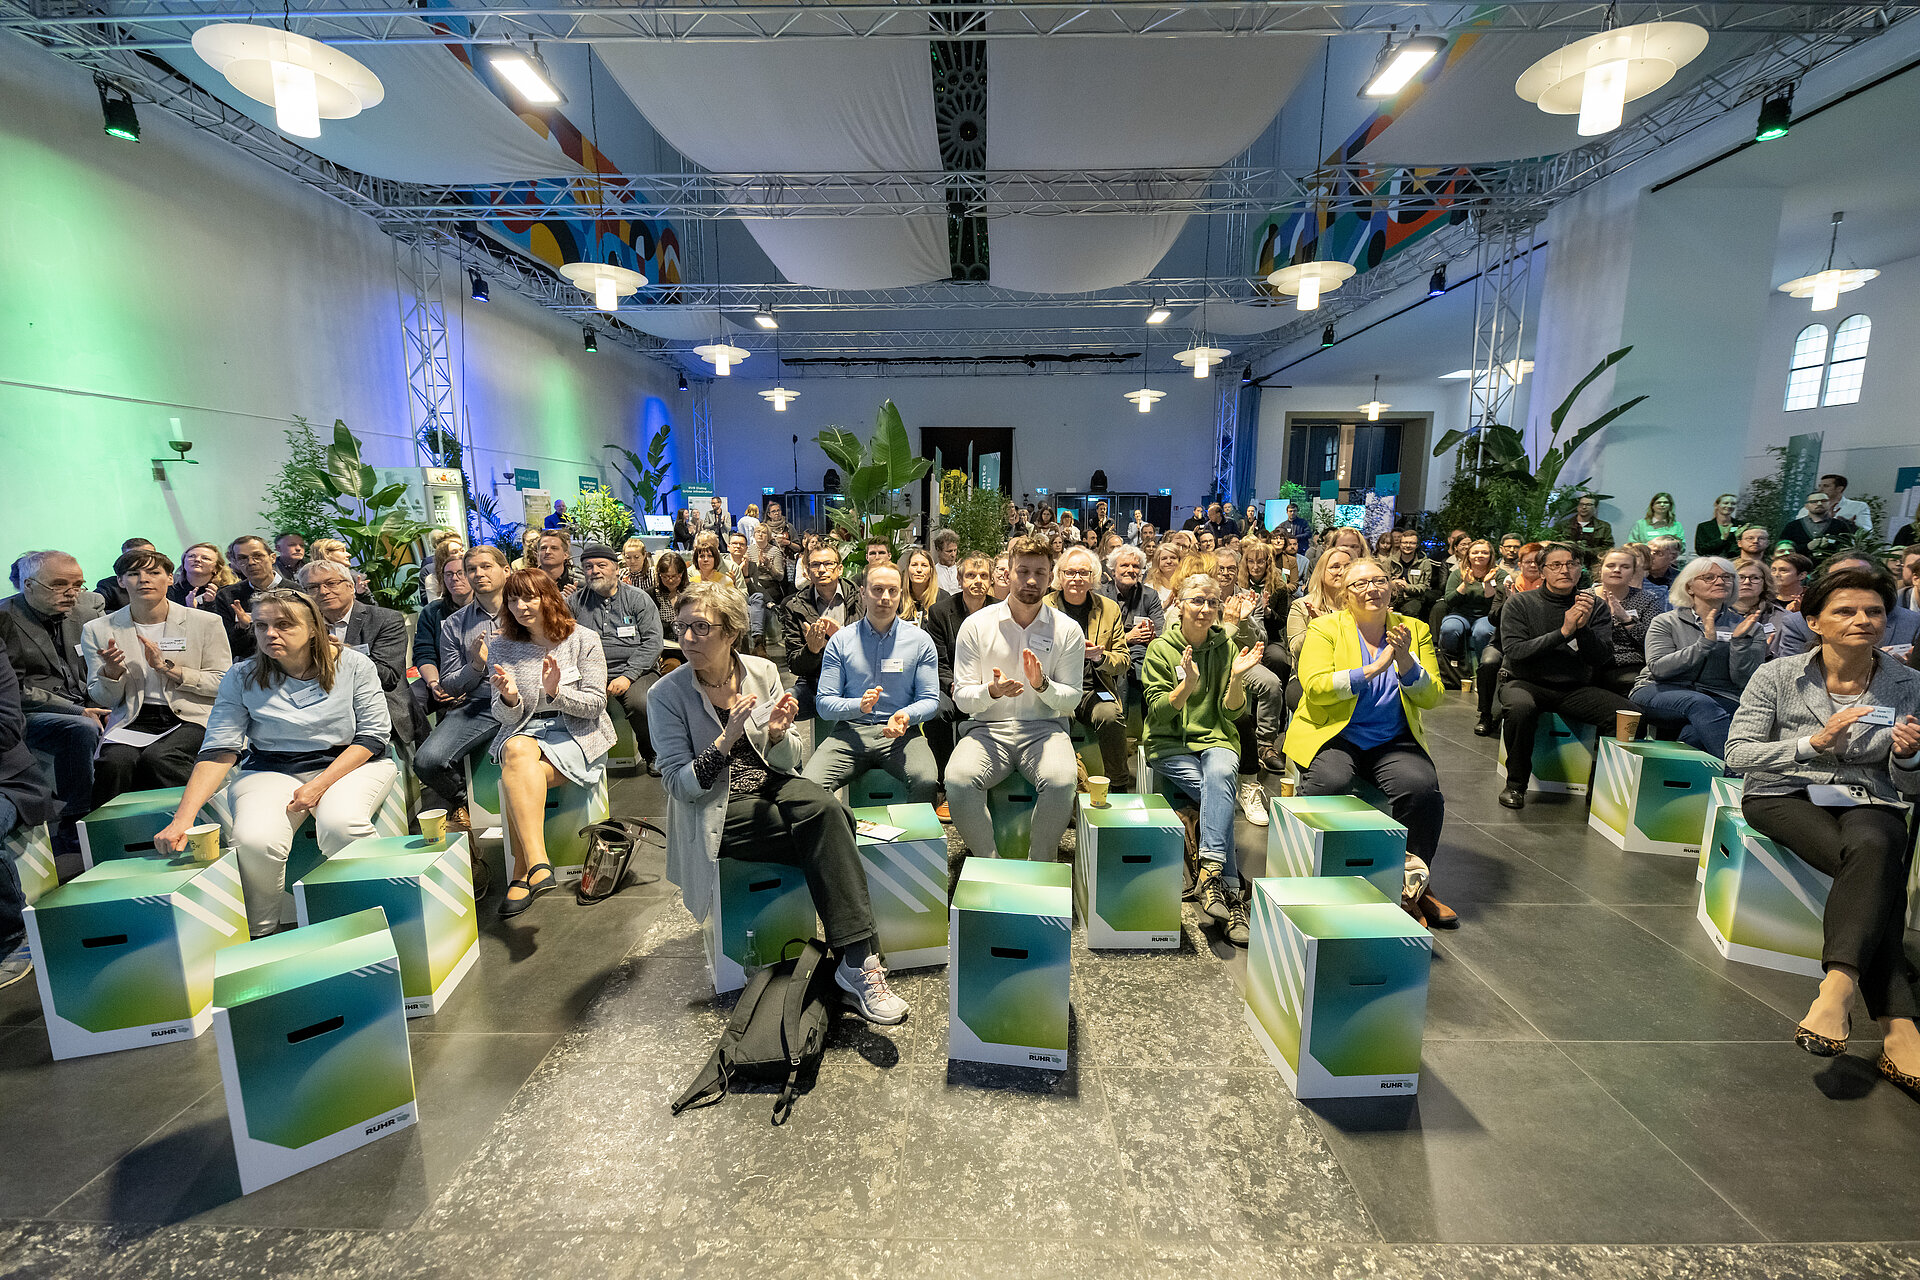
x=1253, y=803
x=17, y=965
x=869, y=996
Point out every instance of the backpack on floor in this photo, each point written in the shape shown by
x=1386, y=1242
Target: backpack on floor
x=778, y=1030
x=609, y=854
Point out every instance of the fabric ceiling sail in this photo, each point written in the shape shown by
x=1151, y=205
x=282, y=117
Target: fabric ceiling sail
x=803, y=106
x=1126, y=102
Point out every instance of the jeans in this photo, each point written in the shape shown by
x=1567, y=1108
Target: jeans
x=463, y=733
x=72, y=741
x=1042, y=753
x=1707, y=718
x=795, y=823
x=1212, y=778
x=13, y=898
x=1456, y=626
x=756, y=615
x=851, y=749
x=1399, y=768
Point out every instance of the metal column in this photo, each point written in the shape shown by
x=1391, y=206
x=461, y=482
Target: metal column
x=701, y=390
x=1505, y=254
x=420, y=276
x=1226, y=430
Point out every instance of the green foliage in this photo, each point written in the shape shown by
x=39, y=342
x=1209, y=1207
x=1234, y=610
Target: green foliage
x=1291, y=492
x=979, y=517
x=1760, y=501
x=876, y=478
x=599, y=517
x=1541, y=502
x=379, y=535
x=291, y=505
x=647, y=473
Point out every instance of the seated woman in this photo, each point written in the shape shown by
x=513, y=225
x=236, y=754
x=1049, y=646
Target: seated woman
x=1809, y=754
x=203, y=571
x=156, y=666
x=1700, y=656
x=708, y=564
x=669, y=581
x=766, y=573
x=1465, y=627
x=1632, y=609
x=1366, y=674
x=919, y=588
x=1192, y=680
x=731, y=770
x=429, y=699
x=308, y=725
x=550, y=696
x=1166, y=567
x=636, y=563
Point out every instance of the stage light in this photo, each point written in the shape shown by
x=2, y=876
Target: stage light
x=1326, y=336
x=586, y=335
x=116, y=108
x=1437, y=283
x=1400, y=63
x=1776, y=116
x=479, y=286
x=526, y=73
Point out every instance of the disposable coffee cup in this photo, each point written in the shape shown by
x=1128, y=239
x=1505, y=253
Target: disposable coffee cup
x=1097, y=790
x=1626, y=724
x=433, y=825
x=1286, y=787
x=1466, y=684
x=203, y=842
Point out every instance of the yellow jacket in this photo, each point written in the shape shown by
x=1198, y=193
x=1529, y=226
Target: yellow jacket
x=1331, y=649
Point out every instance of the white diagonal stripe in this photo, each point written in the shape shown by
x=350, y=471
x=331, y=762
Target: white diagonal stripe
x=454, y=904
x=900, y=856
x=887, y=882
x=205, y=916
x=220, y=895
x=1788, y=881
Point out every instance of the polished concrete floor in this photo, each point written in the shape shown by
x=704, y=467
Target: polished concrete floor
x=1602, y=1096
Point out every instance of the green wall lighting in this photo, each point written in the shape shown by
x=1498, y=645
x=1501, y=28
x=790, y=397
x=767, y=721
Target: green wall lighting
x=116, y=108
x=1776, y=116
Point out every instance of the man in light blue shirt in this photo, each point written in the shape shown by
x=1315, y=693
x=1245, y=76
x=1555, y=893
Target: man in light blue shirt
x=880, y=680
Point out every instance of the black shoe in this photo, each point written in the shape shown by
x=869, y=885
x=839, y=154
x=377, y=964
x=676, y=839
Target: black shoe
x=1486, y=728
x=1513, y=799
x=651, y=769
x=1237, y=933
x=1273, y=762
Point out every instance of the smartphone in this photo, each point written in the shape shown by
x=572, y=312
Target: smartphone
x=1103, y=695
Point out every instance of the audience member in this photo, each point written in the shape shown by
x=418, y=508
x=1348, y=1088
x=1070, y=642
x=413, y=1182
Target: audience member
x=1700, y=656
x=1466, y=626
x=252, y=560
x=636, y=564
x=943, y=628
x=1586, y=531
x=946, y=560
x=25, y=801
x=1141, y=613
x=557, y=518
x=1663, y=562
x=748, y=523
x=113, y=596
x=197, y=582
x=921, y=586
x=1661, y=521
x=1818, y=533
x=1325, y=594
x=1630, y=609
x=669, y=582
x=1102, y=710
x=879, y=682
x=41, y=630
x=368, y=629
x=812, y=616
x=156, y=667
x=1856, y=512
x=766, y=571
x=1524, y=575
x=466, y=722
x=289, y=553
x=1909, y=597
x=628, y=623
x=1166, y=567
x=1720, y=535
x=429, y=697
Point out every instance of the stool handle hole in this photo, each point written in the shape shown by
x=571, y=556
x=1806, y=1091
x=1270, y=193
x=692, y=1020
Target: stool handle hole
x=334, y=1023
x=1136, y=857
x=761, y=886
x=109, y=940
x=1008, y=953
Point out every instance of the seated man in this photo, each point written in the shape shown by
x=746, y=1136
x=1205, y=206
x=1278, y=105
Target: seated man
x=628, y=623
x=553, y=556
x=943, y=628
x=1820, y=532
x=289, y=553
x=813, y=614
x=1141, y=612
x=879, y=680
x=252, y=559
x=41, y=629
x=1107, y=659
x=369, y=630
x=467, y=726
x=24, y=802
x=1017, y=671
x=946, y=561
x=1556, y=647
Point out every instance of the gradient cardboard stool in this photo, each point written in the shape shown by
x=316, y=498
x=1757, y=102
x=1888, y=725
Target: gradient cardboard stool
x=1337, y=987
x=1131, y=859
x=1761, y=905
x=625, y=752
x=312, y=1030
x=1010, y=805
x=124, y=827
x=759, y=908
x=907, y=882
x=30, y=849
x=1562, y=755
x=125, y=952
x=1007, y=985
x=569, y=809
x=389, y=819
x=1651, y=797
x=1722, y=792
x=426, y=891
x=1336, y=836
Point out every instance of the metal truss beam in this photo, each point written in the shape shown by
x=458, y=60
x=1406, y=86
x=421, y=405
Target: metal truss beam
x=702, y=395
x=1505, y=253
x=163, y=24
x=1226, y=434
x=1178, y=292
x=420, y=277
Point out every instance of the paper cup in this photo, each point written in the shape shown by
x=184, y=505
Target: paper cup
x=433, y=825
x=1097, y=790
x=1286, y=787
x=203, y=842
x=1626, y=724
x=1466, y=684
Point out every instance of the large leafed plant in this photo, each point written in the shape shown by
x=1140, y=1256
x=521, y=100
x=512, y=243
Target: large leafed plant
x=877, y=475
x=647, y=473
x=379, y=534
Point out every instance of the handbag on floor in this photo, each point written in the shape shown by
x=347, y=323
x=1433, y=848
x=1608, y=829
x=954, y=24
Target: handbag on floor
x=609, y=853
x=778, y=1030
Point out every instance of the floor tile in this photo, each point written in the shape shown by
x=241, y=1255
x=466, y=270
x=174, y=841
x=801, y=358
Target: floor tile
x=1166, y=1009
x=1472, y=867
x=1588, y=860
x=1461, y=1006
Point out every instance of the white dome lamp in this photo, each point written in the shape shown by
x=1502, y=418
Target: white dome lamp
x=605, y=281
x=779, y=395
x=303, y=80
x=1826, y=286
x=1597, y=76
x=722, y=357
x=1306, y=281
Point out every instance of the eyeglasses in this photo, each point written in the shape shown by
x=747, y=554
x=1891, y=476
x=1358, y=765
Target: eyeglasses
x=1557, y=566
x=1367, y=584
x=698, y=629
x=1076, y=573
x=1712, y=576
x=1204, y=602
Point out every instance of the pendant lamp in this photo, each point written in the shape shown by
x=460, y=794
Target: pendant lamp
x=303, y=80
x=1146, y=395
x=722, y=357
x=1597, y=76
x=1375, y=405
x=1306, y=281
x=605, y=281
x=779, y=395
x=1826, y=286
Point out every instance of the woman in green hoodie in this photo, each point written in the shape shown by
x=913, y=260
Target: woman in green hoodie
x=1192, y=679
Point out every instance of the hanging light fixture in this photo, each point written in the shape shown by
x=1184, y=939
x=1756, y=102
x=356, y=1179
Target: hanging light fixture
x=526, y=71
x=1306, y=281
x=1326, y=336
x=1776, y=115
x=303, y=80
x=1146, y=395
x=1437, y=282
x=764, y=318
x=1599, y=75
x=683, y=383
x=118, y=118
x=479, y=286
x=779, y=395
x=605, y=281
x=1201, y=357
x=1375, y=405
x=587, y=339
x=1826, y=286
x=721, y=356
x=1397, y=64
x=1158, y=312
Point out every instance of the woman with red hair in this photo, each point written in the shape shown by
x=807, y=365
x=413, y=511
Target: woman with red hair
x=550, y=696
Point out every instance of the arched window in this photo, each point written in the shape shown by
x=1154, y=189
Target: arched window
x=1809, y=362
x=1849, y=366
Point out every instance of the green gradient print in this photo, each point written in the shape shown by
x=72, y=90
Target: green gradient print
x=769, y=899
x=30, y=849
x=1336, y=836
x=1651, y=797
x=1761, y=899
x=1131, y=861
x=425, y=890
x=1012, y=927
x=124, y=826
x=1368, y=1003
x=1010, y=805
x=907, y=882
x=1722, y=792
x=1276, y=975
x=1562, y=755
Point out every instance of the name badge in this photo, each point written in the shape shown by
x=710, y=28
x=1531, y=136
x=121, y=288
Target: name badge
x=364, y=650
x=1897, y=650
x=1633, y=615
x=1877, y=715
x=1766, y=628
x=625, y=633
x=892, y=666
x=569, y=675
x=307, y=695
x=173, y=644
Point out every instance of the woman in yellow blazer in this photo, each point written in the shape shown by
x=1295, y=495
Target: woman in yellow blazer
x=1366, y=674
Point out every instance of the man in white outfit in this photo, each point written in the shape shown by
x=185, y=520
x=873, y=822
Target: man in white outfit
x=1018, y=668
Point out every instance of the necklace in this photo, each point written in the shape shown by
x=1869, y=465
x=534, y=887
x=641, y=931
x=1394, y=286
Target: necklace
x=723, y=684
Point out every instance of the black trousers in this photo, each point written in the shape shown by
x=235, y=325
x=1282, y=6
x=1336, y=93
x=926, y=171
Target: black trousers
x=1487, y=680
x=1864, y=849
x=1401, y=769
x=121, y=768
x=1526, y=702
x=635, y=702
x=940, y=732
x=1108, y=721
x=797, y=823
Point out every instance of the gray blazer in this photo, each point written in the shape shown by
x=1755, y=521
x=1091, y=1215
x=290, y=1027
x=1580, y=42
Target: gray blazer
x=582, y=703
x=1679, y=655
x=201, y=664
x=1786, y=703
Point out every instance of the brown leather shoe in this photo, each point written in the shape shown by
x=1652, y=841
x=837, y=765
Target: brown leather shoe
x=1438, y=914
x=458, y=819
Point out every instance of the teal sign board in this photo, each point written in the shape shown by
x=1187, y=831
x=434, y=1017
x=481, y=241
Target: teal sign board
x=589, y=484
x=1802, y=470
x=526, y=478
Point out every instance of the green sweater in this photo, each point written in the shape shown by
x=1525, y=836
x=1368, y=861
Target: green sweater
x=1204, y=722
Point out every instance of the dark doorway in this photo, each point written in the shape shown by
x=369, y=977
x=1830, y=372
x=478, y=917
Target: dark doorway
x=984, y=453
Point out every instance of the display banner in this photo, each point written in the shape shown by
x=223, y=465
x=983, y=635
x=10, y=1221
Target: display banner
x=1801, y=472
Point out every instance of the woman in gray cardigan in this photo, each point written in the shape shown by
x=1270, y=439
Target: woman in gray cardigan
x=1700, y=655
x=1829, y=741
x=550, y=696
x=720, y=722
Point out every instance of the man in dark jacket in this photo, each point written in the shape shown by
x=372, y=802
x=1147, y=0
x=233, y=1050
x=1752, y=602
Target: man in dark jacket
x=628, y=623
x=1819, y=533
x=252, y=559
x=1554, y=643
x=25, y=801
x=40, y=630
x=374, y=632
x=812, y=616
x=1587, y=531
x=1141, y=612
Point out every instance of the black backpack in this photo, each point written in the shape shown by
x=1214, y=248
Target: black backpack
x=778, y=1030
x=609, y=853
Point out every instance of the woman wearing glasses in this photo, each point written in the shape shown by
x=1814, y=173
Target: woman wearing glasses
x=1366, y=675
x=1700, y=655
x=307, y=723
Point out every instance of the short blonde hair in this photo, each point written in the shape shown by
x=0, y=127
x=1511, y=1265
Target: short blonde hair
x=725, y=603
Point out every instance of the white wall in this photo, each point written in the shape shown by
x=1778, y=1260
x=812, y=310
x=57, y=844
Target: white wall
x=1446, y=401
x=176, y=289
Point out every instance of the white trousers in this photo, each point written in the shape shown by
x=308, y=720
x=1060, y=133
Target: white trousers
x=1042, y=753
x=263, y=829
